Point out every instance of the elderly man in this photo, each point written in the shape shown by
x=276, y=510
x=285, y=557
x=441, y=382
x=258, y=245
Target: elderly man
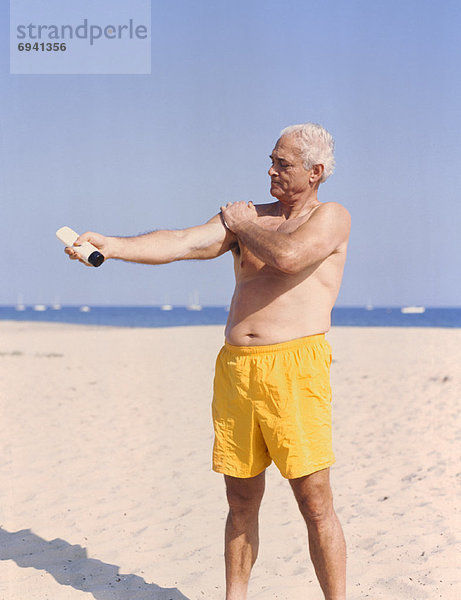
x=272, y=395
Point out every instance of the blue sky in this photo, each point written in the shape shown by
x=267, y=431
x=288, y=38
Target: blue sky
x=125, y=154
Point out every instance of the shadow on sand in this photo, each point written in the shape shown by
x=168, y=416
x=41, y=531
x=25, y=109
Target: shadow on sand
x=69, y=565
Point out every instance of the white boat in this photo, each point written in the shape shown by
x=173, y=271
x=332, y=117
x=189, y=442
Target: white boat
x=39, y=307
x=20, y=303
x=412, y=310
x=56, y=305
x=194, y=305
x=166, y=305
x=85, y=309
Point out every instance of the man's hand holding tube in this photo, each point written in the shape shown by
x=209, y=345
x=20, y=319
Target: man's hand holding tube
x=101, y=242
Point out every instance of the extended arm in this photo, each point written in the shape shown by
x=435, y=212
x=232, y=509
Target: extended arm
x=292, y=252
x=164, y=246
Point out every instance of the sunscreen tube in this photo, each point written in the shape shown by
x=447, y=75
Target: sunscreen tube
x=89, y=253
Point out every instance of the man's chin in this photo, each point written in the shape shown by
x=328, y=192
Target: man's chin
x=275, y=191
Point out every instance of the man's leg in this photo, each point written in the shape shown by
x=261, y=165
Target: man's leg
x=242, y=537
x=326, y=540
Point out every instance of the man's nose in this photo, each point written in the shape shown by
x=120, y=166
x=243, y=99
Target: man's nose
x=272, y=171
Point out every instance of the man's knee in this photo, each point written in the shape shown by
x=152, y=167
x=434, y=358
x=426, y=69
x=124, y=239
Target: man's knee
x=314, y=497
x=315, y=510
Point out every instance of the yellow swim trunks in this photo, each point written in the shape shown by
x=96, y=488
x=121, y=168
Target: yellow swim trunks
x=273, y=403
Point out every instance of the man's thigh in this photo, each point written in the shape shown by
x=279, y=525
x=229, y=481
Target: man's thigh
x=245, y=493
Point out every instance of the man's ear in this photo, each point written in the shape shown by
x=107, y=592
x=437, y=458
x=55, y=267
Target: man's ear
x=316, y=173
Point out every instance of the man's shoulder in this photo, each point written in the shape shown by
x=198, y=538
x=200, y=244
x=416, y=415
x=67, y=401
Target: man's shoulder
x=333, y=208
x=335, y=212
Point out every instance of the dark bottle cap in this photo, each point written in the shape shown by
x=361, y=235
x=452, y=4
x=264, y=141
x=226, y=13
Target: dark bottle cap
x=96, y=259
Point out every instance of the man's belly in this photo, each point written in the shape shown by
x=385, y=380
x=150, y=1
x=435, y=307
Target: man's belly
x=258, y=318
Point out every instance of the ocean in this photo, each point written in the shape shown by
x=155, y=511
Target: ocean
x=154, y=316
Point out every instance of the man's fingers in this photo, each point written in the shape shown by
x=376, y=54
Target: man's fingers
x=74, y=255
x=71, y=252
x=85, y=237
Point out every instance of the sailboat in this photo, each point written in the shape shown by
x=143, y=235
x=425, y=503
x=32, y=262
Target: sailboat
x=20, y=303
x=194, y=305
x=166, y=305
x=56, y=305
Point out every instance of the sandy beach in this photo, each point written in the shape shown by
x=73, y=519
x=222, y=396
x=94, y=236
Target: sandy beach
x=106, y=488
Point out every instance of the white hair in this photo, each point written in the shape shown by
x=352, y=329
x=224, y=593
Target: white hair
x=316, y=145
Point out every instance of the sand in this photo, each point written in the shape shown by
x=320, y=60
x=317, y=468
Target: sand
x=106, y=488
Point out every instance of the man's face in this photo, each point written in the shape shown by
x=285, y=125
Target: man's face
x=289, y=178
